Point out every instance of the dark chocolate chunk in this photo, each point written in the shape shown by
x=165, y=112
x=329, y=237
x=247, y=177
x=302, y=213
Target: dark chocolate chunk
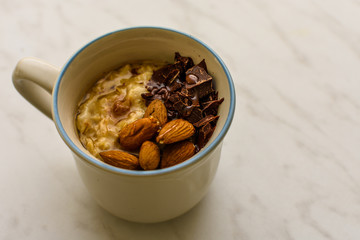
x=147, y=95
x=183, y=63
x=202, y=89
x=175, y=85
x=184, y=93
x=198, y=81
x=168, y=104
x=205, y=133
x=166, y=74
x=191, y=79
x=153, y=86
x=183, y=108
x=180, y=106
x=160, y=75
x=174, y=74
x=148, y=98
x=164, y=93
x=200, y=74
x=210, y=97
x=211, y=107
x=213, y=96
x=195, y=115
x=202, y=64
x=195, y=99
x=205, y=120
x=174, y=97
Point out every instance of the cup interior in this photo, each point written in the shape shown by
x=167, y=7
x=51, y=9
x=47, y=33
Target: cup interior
x=115, y=49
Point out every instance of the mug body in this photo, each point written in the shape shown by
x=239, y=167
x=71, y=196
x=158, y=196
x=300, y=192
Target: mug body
x=141, y=196
x=150, y=198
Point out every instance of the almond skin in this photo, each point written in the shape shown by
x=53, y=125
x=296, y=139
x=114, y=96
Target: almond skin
x=158, y=110
x=120, y=159
x=149, y=156
x=134, y=134
x=177, y=153
x=175, y=131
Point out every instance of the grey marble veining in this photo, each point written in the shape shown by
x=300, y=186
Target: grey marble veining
x=290, y=163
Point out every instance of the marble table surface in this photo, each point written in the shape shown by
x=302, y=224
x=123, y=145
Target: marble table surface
x=290, y=163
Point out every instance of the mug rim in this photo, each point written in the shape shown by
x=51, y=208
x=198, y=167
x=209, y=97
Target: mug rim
x=96, y=162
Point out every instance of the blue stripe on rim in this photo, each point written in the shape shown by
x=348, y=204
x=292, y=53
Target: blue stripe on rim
x=110, y=168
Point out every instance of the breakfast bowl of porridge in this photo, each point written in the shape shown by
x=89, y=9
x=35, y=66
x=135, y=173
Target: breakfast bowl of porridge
x=144, y=111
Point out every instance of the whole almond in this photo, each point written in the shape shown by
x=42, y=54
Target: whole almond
x=149, y=156
x=158, y=110
x=175, y=131
x=177, y=153
x=120, y=159
x=134, y=134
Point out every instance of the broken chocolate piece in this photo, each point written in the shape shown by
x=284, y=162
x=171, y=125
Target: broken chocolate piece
x=203, y=65
x=166, y=74
x=195, y=115
x=198, y=81
x=205, y=120
x=175, y=85
x=200, y=74
x=211, y=107
x=205, y=133
x=201, y=88
x=183, y=63
x=195, y=99
x=148, y=98
x=174, y=97
x=191, y=79
x=183, y=108
x=164, y=93
x=213, y=96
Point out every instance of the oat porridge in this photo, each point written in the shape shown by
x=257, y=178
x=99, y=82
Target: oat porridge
x=112, y=103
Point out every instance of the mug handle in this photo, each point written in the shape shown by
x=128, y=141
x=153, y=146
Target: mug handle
x=34, y=79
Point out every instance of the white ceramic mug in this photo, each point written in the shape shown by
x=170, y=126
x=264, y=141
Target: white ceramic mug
x=140, y=196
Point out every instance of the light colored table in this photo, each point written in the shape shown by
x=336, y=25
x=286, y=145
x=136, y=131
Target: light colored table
x=290, y=166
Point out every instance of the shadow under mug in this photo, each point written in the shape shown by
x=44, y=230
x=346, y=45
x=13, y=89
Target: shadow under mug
x=139, y=196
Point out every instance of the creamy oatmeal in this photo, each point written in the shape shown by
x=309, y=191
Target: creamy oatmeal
x=112, y=103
